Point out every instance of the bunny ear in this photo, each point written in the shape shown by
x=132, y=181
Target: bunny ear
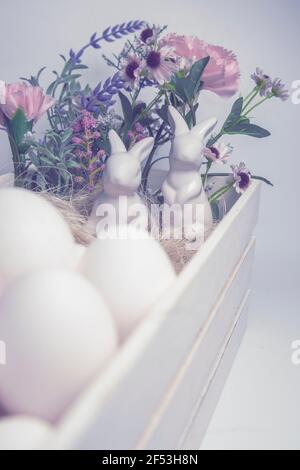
x=178, y=124
x=142, y=149
x=205, y=128
x=117, y=145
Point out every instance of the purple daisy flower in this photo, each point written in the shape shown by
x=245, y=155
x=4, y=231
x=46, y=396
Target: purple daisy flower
x=279, y=90
x=263, y=81
x=242, y=177
x=131, y=69
x=147, y=35
x=219, y=153
x=161, y=64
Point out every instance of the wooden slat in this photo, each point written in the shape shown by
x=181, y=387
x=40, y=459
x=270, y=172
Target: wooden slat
x=173, y=413
x=200, y=419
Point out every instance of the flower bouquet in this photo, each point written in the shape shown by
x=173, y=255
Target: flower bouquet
x=71, y=155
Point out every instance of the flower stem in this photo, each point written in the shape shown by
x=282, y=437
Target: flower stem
x=213, y=140
x=216, y=196
x=254, y=177
x=149, y=107
x=17, y=161
x=156, y=161
x=194, y=120
x=248, y=100
x=209, y=165
x=153, y=102
x=148, y=165
x=250, y=94
x=258, y=104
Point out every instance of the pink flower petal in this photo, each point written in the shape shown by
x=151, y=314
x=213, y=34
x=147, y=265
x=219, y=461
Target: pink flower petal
x=31, y=99
x=222, y=74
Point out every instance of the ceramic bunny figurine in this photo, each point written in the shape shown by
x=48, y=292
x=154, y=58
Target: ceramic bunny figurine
x=121, y=180
x=183, y=184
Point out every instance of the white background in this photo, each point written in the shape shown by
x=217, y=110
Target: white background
x=260, y=405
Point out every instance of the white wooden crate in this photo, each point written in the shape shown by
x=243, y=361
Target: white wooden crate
x=161, y=388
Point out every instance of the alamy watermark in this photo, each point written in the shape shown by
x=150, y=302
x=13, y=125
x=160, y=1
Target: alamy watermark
x=178, y=222
x=2, y=353
x=295, y=94
x=295, y=358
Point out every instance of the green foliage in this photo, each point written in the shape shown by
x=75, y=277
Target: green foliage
x=52, y=162
x=19, y=126
x=234, y=115
x=188, y=88
x=127, y=110
x=236, y=123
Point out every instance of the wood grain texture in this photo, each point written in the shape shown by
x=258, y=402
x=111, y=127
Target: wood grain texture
x=200, y=418
x=173, y=414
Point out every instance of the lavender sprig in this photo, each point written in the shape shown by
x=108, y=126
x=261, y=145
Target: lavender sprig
x=110, y=34
x=103, y=94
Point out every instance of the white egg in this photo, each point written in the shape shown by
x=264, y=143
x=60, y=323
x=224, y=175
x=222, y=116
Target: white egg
x=59, y=334
x=132, y=274
x=7, y=180
x=23, y=433
x=33, y=235
x=79, y=252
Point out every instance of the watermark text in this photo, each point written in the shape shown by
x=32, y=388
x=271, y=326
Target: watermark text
x=296, y=353
x=2, y=353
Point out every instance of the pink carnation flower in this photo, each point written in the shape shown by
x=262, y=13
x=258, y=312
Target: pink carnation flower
x=30, y=99
x=222, y=74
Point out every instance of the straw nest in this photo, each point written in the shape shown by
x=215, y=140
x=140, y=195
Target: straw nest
x=75, y=211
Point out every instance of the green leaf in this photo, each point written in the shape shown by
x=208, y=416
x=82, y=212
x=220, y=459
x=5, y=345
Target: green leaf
x=40, y=182
x=65, y=176
x=24, y=147
x=40, y=73
x=238, y=124
x=49, y=156
x=138, y=109
x=18, y=126
x=35, y=160
x=188, y=88
x=127, y=109
x=196, y=74
x=264, y=180
x=189, y=116
x=215, y=210
x=73, y=164
x=235, y=114
x=67, y=135
x=79, y=67
x=216, y=196
x=251, y=130
x=163, y=113
x=180, y=88
x=60, y=81
x=170, y=86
